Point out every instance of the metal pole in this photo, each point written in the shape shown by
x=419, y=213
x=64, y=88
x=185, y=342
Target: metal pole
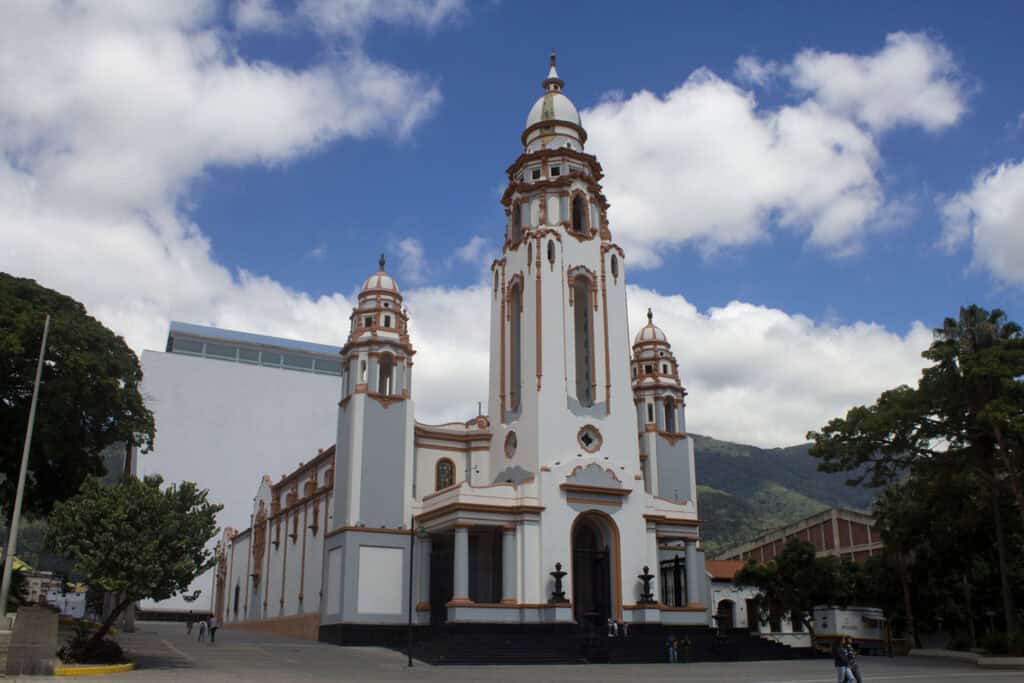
x=412, y=556
x=12, y=541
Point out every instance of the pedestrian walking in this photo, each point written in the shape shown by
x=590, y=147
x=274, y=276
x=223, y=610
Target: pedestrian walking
x=673, y=653
x=202, y=632
x=842, y=663
x=851, y=658
x=213, y=625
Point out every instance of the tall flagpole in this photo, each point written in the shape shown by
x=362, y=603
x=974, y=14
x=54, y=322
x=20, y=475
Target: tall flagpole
x=12, y=541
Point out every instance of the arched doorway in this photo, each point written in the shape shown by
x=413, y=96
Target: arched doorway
x=594, y=567
x=723, y=616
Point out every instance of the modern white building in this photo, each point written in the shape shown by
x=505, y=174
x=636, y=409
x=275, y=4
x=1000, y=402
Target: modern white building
x=549, y=510
x=227, y=403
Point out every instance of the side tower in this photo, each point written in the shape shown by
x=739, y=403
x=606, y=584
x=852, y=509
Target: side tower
x=366, y=553
x=665, y=453
x=559, y=373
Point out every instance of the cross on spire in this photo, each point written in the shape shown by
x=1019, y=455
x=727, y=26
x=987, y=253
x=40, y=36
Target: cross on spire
x=381, y=262
x=650, y=317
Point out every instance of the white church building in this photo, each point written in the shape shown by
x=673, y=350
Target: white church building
x=572, y=502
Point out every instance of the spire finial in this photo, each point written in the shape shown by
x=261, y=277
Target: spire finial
x=650, y=317
x=552, y=57
x=381, y=262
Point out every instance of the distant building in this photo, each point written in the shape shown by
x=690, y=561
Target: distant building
x=837, y=532
x=230, y=403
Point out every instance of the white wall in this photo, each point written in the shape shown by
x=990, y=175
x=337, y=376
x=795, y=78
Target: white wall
x=223, y=425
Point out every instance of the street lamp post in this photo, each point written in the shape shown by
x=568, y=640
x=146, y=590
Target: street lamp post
x=12, y=540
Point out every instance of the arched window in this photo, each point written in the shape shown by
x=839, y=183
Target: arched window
x=385, y=374
x=615, y=265
x=670, y=416
x=237, y=591
x=579, y=220
x=529, y=256
x=584, y=341
x=650, y=412
x=444, y=474
x=515, y=232
x=551, y=252
x=516, y=346
x=362, y=372
x=495, y=281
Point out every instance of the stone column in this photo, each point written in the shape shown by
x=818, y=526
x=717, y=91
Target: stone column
x=508, y=565
x=461, y=565
x=692, y=574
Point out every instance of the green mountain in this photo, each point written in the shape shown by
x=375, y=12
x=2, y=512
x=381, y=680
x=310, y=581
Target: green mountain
x=744, y=490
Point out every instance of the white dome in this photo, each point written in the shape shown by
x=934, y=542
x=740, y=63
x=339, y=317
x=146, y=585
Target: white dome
x=650, y=333
x=380, y=280
x=553, y=106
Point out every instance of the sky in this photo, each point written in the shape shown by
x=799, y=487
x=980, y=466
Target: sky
x=803, y=190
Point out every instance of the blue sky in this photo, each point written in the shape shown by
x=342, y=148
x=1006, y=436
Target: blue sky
x=802, y=189
x=488, y=64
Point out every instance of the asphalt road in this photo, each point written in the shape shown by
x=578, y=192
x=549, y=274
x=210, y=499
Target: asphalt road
x=164, y=653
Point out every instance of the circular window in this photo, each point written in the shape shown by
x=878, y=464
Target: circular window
x=511, y=443
x=589, y=438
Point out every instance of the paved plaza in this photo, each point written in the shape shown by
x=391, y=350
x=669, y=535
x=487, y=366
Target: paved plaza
x=164, y=653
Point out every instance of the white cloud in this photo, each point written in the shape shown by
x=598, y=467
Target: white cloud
x=763, y=376
x=706, y=164
x=990, y=216
x=913, y=80
x=258, y=15
x=103, y=137
x=318, y=252
x=352, y=17
x=412, y=263
x=475, y=251
x=750, y=69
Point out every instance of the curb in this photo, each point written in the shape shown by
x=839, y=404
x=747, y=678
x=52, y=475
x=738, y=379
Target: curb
x=971, y=658
x=91, y=669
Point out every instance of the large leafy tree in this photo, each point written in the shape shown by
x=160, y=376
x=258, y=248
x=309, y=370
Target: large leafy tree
x=964, y=419
x=89, y=397
x=795, y=581
x=136, y=539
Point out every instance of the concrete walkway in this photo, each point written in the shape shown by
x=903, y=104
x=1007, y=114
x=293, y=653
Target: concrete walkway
x=164, y=653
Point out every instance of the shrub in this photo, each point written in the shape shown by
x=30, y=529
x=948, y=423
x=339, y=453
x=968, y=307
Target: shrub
x=1004, y=643
x=82, y=649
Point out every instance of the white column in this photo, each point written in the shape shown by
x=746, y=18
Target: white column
x=692, y=574
x=508, y=565
x=461, y=565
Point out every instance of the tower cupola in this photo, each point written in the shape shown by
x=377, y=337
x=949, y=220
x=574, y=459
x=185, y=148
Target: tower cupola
x=654, y=365
x=553, y=121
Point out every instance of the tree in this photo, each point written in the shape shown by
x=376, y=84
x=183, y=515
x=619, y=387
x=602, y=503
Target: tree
x=18, y=595
x=966, y=414
x=796, y=581
x=135, y=540
x=89, y=396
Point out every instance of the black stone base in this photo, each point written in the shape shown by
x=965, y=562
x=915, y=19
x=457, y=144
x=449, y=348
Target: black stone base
x=559, y=643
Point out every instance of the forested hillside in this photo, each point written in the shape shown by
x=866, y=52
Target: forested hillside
x=743, y=490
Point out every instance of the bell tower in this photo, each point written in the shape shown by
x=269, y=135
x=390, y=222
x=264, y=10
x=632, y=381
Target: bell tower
x=560, y=385
x=374, y=452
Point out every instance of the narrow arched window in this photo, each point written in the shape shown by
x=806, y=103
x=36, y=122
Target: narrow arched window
x=551, y=252
x=385, y=374
x=444, y=474
x=670, y=416
x=650, y=412
x=529, y=256
x=495, y=282
x=362, y=372
x=516, y=347
x=516, y=228
x=238, y=589
x=579, y=208
x=615, y=265
x=584, y=341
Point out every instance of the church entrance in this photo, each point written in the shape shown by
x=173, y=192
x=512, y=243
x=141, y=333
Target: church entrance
x=441, y=585
x=592, y=551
